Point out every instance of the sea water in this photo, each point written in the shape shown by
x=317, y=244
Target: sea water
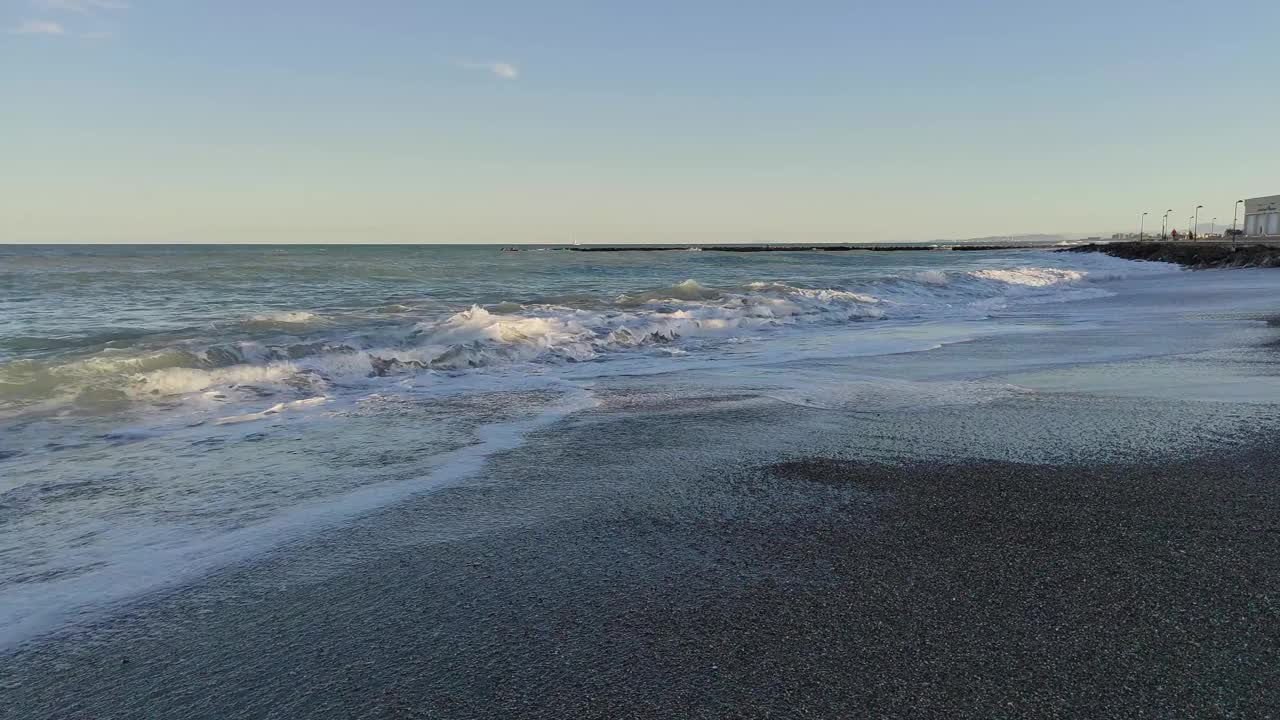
x=168, y=410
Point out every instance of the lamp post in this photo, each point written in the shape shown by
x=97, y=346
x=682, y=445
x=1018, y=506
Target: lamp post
x=1234, y=211
x=1195, y=223
x=1212, y=225
x=1142, y=221
x=1164, y=226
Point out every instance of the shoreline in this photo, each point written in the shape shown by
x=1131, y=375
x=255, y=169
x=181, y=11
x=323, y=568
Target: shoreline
x=925, y=590
x=813, y=579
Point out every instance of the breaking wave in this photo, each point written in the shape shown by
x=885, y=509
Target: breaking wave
x=311, y=355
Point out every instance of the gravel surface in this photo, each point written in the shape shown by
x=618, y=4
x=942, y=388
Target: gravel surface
x=816, y=588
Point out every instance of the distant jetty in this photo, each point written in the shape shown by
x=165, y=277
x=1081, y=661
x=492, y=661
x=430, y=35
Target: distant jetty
x=792, y=248
x=1199, y=255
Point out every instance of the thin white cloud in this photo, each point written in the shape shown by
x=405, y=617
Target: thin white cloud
x=38, y=27
x=504, y=70
x=81, y=6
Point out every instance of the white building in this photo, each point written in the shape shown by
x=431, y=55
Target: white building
x=1262, y=216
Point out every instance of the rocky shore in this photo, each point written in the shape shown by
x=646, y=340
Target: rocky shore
x=1191, y=254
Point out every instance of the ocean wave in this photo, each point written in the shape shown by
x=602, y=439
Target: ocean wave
x=687, y=290
x=1031, y=276
x=314, y=356
x=289, y=318
x=183, y=380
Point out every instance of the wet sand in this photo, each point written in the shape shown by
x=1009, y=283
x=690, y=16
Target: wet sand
x=584, y=578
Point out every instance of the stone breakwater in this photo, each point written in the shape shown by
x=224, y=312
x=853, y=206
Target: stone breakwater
x=1190, y=254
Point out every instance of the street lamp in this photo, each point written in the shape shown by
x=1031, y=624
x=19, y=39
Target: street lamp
x=1142, y=221
x=1195, y=223
x=1234, y=210
x=1164, y=226
x=1212, y=225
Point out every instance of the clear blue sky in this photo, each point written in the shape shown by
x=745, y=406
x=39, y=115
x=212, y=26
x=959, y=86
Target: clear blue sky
x=239, y=120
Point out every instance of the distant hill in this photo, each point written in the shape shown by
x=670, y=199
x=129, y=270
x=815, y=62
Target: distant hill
x=1044, y=238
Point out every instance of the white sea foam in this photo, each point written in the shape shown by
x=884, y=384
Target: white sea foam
x=273, y=410
x=880, y=394
x=131, y=560
x=179, y=381
x=1031, y=276
x=289, y=317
